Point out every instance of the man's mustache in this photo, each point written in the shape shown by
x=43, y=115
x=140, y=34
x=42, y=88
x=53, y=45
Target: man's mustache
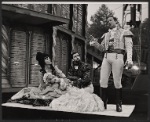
x=76, y=59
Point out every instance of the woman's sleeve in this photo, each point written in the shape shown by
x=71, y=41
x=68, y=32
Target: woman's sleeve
x=59, y=73
x=40, y=77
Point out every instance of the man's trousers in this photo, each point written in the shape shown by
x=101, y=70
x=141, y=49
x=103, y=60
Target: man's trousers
x=112, y=62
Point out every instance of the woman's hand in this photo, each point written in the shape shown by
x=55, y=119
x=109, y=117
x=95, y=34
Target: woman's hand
x=55, y=80
x=63, y=85
x=59, y=72
x=50, y=76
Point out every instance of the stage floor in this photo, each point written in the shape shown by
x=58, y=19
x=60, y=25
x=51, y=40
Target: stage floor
x=138, y=99
x=21, y=111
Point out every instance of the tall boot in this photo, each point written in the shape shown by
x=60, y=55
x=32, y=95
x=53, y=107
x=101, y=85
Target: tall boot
x=119, y=100
x=104, y=96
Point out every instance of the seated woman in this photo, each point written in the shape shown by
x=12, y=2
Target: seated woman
x=79, y=96
x=53, y=84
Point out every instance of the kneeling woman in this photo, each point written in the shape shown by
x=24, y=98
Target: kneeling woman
x=52, y=84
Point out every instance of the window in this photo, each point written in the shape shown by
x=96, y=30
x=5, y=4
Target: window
x=62, y=10
x=79, y=47
x=36, y=7
x=77, y=18
x=23, y=49
x=62, y=52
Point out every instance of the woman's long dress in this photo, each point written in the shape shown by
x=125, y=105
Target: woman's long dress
x=78, y=100
x=28, y=95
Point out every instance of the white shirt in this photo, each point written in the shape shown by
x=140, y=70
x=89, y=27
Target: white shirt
x=112, y=32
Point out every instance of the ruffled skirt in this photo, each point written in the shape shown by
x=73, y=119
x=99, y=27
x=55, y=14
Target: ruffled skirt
x=78, y=100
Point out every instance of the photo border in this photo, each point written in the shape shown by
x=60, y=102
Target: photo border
x=78, y=1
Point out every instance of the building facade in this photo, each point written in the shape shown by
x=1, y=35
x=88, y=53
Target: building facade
x=57, y=29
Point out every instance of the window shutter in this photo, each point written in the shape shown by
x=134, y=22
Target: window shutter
x=77, y=18
x=65, y=55
x=80, y=20
x=79, y=47
x=58, y=53
x=62, y=53
x=18, y=59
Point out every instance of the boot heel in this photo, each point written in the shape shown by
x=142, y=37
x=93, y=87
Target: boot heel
x=118, y=108
x=105, y=105
x=119, y=100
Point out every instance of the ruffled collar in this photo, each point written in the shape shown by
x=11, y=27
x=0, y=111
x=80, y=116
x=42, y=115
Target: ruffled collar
x=113, y=29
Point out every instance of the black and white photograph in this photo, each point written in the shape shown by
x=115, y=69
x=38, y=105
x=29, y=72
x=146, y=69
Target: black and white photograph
x=75, y=60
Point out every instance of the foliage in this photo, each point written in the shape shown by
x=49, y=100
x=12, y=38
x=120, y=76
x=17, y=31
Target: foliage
x=99, y=24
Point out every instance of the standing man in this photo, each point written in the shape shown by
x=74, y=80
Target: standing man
x=115, y=43
x=79, y=72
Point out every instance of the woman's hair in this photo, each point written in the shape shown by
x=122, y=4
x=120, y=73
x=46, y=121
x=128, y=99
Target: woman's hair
x=74, y=53
x=40, y=57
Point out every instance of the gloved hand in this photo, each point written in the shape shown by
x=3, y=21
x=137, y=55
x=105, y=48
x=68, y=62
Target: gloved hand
x=93, y=41
x=128, y=64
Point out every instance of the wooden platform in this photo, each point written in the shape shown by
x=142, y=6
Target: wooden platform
x=21, y=111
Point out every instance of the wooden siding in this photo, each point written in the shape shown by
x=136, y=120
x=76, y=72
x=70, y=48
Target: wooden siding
x=36, y=7
x=18, y=58
x=24, y=44
x=58, y=53
x=65, y=54
x=78, y=19
x=79, y=47
x=23, y=65
x=62, y=52
x=62, y=10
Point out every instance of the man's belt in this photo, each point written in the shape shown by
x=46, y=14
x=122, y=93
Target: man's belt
x=118, y=51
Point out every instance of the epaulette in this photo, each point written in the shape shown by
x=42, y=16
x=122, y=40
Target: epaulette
x=128, y=33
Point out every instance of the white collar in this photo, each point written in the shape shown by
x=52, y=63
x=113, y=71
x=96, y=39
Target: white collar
x=112, y=29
